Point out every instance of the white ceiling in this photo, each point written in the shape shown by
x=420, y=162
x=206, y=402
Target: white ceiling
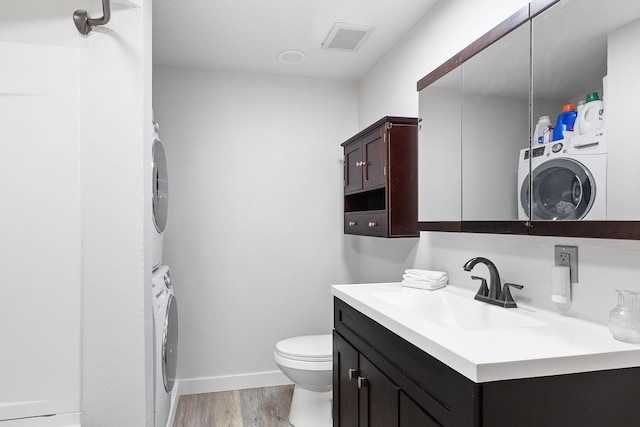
x=248, y=35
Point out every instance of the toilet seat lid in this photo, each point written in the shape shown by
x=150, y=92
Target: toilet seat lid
x=312, y=348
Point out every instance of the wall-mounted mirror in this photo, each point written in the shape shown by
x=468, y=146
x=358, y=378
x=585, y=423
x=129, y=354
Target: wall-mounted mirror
x=573, y=52
x=440, y=150
x=587, y=50
x=495, y=127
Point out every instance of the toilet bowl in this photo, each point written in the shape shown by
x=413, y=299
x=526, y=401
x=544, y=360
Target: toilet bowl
x=307, y=361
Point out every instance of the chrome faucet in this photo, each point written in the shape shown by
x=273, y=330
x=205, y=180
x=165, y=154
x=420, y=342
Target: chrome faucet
x=495, y=293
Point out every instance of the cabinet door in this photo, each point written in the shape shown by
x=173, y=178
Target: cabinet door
x=412, y=415
x=378, y=397
x=353, y=166
x=375, y=159
x=345, y=387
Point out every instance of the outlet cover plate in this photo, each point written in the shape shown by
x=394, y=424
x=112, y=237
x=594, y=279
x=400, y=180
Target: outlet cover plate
x=561, y=252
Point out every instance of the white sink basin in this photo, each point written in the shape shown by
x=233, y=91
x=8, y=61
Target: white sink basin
x=485, y=342
x=454, y=311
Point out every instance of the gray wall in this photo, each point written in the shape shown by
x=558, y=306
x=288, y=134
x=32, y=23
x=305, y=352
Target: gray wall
x=253, y=237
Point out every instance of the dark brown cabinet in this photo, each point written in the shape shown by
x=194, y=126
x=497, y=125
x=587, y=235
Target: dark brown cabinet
x=381, y=179
x=367, y=396
x=379, y=379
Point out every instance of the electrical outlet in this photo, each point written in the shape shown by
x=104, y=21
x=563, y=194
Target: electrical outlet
x=565, y=258
x=568, y=255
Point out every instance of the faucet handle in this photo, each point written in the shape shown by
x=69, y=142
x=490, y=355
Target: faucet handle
x=484, y=290
x=506, y=297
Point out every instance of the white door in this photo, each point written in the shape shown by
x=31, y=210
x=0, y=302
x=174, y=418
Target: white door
x=40, y=263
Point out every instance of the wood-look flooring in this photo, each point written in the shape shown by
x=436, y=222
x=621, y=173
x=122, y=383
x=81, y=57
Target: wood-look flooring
x=256, y=407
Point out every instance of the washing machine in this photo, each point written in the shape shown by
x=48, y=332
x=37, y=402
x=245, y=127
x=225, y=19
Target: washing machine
x=568, y=180
x=165, y=343
x=160, y=197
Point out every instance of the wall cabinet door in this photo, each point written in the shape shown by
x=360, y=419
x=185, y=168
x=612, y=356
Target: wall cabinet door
x=365, y=162
x=353, y=168
x=375, y=159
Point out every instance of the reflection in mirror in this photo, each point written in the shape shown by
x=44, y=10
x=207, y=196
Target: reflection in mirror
x=590, y=172
x=439, y=150
x=495, y=127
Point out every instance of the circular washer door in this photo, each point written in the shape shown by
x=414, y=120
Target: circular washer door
x=562, y=189
x=170, y=344
x=160, y=186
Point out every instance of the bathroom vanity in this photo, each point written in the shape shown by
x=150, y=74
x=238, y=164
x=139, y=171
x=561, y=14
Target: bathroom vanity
x=409, y=357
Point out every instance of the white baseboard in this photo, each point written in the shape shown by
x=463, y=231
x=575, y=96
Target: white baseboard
x=231, y=382
x=59, y=420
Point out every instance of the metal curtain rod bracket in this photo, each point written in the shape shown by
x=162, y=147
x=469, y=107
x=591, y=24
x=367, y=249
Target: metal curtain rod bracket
x=84, y=24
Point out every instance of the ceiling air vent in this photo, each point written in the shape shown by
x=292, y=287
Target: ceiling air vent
x=346, y=37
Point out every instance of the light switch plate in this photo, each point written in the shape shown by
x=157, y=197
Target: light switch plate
x=568, y=255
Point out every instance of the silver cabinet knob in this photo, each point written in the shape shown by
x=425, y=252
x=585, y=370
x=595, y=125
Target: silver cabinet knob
x=352, y=223
x=363, y=382
x=373, y=224
x=352, y=373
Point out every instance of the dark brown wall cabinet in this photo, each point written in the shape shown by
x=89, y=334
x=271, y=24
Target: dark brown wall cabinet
x=381, y=179
x=379, y=379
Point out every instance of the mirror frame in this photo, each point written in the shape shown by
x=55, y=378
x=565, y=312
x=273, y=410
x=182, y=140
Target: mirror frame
x=628, y=230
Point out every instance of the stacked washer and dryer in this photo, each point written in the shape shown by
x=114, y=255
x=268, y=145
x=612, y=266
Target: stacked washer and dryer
x=165, y=309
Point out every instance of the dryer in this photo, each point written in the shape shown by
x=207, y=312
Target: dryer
x=160, y=197
x=165, y=345
x=568, y=180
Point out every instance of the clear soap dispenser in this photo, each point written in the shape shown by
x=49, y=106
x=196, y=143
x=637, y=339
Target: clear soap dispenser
x=624, y=319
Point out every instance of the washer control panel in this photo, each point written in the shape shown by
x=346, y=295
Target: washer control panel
x=536, y=152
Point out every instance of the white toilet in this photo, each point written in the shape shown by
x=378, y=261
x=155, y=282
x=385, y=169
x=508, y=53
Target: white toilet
x=307, y=361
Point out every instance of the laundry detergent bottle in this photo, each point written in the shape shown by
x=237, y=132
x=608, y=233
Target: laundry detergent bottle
x=590, y=117
x=542, y=132
x=576, y=127
x=566, y=121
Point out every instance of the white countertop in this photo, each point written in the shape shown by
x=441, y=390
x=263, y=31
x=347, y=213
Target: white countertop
x=530, y=343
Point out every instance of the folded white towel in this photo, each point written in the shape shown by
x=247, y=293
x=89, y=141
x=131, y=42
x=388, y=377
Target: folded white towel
x=413, y=278
x=426, y=274
x=424, y=279
x=424, y=285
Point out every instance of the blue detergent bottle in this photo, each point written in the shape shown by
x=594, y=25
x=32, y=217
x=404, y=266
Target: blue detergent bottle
x=566, y=121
